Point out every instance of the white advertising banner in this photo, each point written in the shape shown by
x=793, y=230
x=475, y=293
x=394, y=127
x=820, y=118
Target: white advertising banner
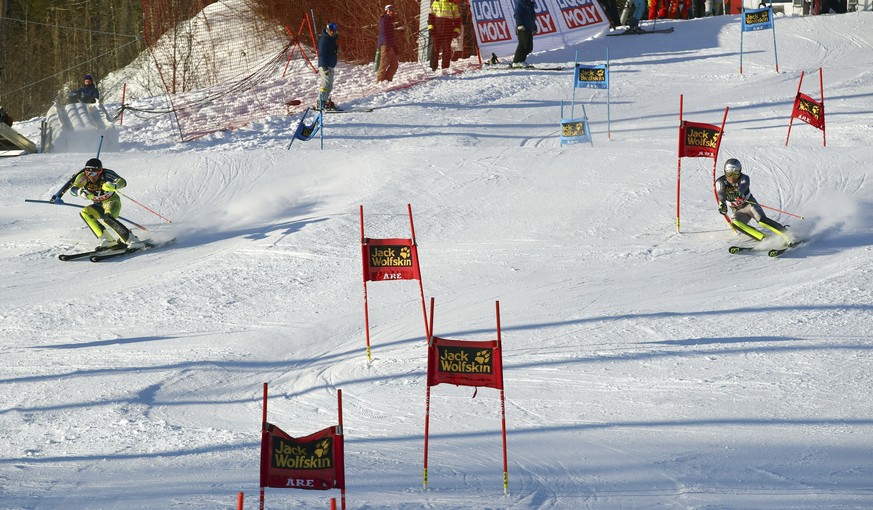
x=560, y=23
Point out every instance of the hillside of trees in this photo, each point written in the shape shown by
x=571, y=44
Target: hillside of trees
x=49, y=45
x=46, y=46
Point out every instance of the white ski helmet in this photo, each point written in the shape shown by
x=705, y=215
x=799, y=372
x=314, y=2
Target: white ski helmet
x=733, y=168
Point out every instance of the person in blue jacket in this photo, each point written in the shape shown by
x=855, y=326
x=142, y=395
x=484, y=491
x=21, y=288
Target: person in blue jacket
x=327, y=59
x=526, y=27
x=87, y=93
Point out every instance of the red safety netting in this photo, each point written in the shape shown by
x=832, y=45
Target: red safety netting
x=222, y=64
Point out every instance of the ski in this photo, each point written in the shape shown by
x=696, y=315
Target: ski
x=349, y=110
x=83, y=254
x=780, y=251
x=111, y=254
x=775, y=252
x=644, y=31
x=739, y=249
x=503, y=67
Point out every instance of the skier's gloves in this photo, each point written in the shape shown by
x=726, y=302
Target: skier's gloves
x=722, y=208
x=520, y=28
x=108, y=186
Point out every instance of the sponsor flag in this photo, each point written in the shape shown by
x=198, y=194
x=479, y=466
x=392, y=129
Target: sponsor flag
x=592, y=77
x=464, y=363
x=809, y=110
x=698, y=140
x=390, y=259
x=560, y=23
x=757, y=19
x=314, y=462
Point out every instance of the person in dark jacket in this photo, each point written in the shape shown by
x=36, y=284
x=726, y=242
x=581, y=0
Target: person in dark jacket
x=5, y=117
x=387, y=44
x=733, y=190
x=87, y=93
x=327, y=59
x=526, y=27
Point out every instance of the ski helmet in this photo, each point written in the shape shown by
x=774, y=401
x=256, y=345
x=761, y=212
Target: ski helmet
x=332, y=27
x=733, y=168
x=93, y=169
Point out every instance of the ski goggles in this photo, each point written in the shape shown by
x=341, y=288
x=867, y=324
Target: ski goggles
x=732, y=175
x=92, y=172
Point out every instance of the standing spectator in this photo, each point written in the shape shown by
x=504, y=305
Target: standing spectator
x=444, y=24
x=327, y=59
x=387, y=43
x=634, y=21
x=525, y=28
x=87, y=93
x=658, y=9
x=838, y=6
x=5, y=117
x=611, y=11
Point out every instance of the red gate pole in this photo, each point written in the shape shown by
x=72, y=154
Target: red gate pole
x=427, y=394
x=418, y=270
x=824, y=140
x=679, y=164
x=263, y=432
x=239, y=501
x=791, y=120
x=339, y=407
x=364, y=276
x=715, y=161
x=502, y=403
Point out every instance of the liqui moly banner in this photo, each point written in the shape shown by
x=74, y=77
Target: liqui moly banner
x=560, y=23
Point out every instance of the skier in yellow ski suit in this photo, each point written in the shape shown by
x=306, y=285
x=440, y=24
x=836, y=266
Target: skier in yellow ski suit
x=99, y=185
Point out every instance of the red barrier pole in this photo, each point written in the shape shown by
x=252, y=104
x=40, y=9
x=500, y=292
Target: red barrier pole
x=123, y=94
x=239, y=501
x=332, y=503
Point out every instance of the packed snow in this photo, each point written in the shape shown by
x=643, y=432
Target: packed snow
x=644, y=368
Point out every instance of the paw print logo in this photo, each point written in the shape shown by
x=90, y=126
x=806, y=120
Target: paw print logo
x=322, y=448
x=405, y=252
x=483, y=357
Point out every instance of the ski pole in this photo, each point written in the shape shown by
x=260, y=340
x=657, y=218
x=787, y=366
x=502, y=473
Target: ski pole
x=144, y=207
x=777, y=210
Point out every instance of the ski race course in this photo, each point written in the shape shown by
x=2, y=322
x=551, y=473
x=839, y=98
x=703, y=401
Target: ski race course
x=643, y=368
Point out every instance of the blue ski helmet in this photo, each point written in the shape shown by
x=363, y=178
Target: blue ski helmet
x=332, y=27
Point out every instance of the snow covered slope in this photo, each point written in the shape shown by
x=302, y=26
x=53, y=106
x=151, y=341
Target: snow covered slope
x=644, y=368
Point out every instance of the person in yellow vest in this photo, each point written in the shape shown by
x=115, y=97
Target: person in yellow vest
x=443, y=24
